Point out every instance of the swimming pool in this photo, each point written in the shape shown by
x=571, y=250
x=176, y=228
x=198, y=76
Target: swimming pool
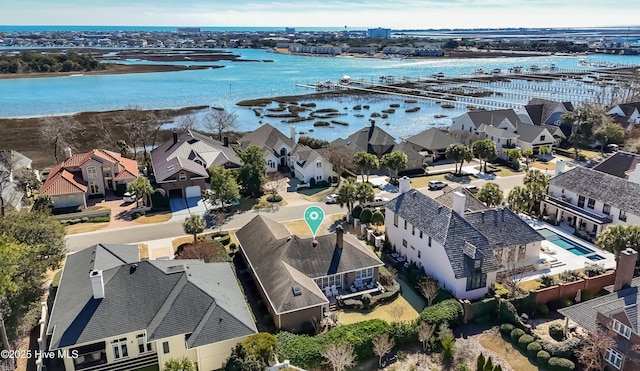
x=567, y=244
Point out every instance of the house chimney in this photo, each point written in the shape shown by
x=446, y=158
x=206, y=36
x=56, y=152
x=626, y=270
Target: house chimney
x=634, y=176
x=97, y=284
x=292, y=133
x=339, y=237
x=459, y=200
x=495, y=216
x=624, y=269
x=67, y=152
x=502, y=213
x=373, y=123
x=482, y=216
x=175, y=137
x=404, y=184
x=225, y=141
x=560, y=167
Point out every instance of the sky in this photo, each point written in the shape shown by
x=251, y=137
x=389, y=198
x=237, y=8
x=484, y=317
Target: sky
x=355, y=14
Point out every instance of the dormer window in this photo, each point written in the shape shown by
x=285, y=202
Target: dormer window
x=477, y=263
x=621, y=329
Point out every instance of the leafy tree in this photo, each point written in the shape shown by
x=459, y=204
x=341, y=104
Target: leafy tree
x=347, y=194
x=251, y=173
x=395, y=162
x=141, y=129
x=366, y=215
x=193, y=225
x=43, y=204
x=544, y=151
x=357, y=210
x=635, y=147
x=218, y=121
x=491, y=194
x=617, y=238
x=583, y=121
x=425, y=332
x=382, y=344
x=142, y=189
x=241, y=360
x=262, y=346
x=364, y=192
x=366, y=162
x=12, y=252
x=339, y=356
x=377, y=218
x=609, y=132
x=447, y=342
x=484, y=149
x=341, y=158
x=459, y=153
x=182, y=364
x=429, y=287
x=527, y=154
x=480, y=362
x=224, y=188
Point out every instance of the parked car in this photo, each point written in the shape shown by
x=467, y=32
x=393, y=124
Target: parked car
x=332, y=198
x=436, y=184
x=378, y=200
x=472, y=188
x=129, y=197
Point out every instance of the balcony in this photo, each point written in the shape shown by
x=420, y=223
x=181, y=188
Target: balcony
x=564, y=204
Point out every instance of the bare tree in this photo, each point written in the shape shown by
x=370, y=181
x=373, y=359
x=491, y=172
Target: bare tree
x=219, y=217
x=341, y=158
x=186, y=123
x=59, y=132
x=396, y=312
x=9, y=193
x=510, y=278
x=142, y=127
x=274, y=183
x=220, y=120
x=591, y=354
x=429, y=288
x=425, y=332
x=339, y=356
x=382, y=345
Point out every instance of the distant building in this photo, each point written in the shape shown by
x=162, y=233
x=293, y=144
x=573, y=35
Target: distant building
x=289, y=30
x=379, y=33
x=188, y=29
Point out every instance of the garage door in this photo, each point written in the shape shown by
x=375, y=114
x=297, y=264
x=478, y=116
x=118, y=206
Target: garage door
x=193, y=191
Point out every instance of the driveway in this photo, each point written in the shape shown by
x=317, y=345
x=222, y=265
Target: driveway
x=120, y=210
x=181, y=208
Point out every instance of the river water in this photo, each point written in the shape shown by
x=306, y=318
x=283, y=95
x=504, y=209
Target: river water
x=237, y=81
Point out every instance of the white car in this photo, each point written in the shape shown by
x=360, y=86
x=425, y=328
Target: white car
x=378, y=200
x=129, y=197
x=436, y=184
x=332, y=198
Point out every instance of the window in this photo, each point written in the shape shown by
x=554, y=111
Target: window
x=542, y=137
x=364, y=274
x=271, y=164
x=182, y=176
x=143, y=346
x=462, y=127
x=106, y=171
x=429, y=241
x=606, y=209
x=165, y=347
x=413, y=230
x=420, y=234
x=412, y=248
x=613, y=357
x=319, y=177
x=93, y=187
x=477, y=264
x=395, y=220
x=591, y=204
x=522, y=251
x=621, y=328
x=581, y=201
x=328, y=281
x=319, y=164
x=622, y=216
x=419, y=254
x=119, y=348
x=405, y=224
x=91, y=172
x=404, y=242
x=476, y=281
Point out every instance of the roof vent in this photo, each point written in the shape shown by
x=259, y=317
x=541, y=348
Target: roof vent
x=289, y=238
x=297, y=291
x=314, y=243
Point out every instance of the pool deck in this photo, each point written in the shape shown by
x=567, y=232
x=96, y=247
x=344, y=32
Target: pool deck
x=561, y=259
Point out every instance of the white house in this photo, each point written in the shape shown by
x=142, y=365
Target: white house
x=627, y=115
x=282, y=152
x=590, y=200
x=464, y=249
x=501, y=136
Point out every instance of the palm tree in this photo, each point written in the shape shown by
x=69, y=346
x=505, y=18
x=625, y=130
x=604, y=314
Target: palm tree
x=347, y=194
x=544, y=151
x=142, y=188
x=458, y=152
x=486, y=150
x=366, y=162
x=395, y=162
x=364, y=193
x=194, y=224
x=518, y=198
x=527, y=153
x=617, y=238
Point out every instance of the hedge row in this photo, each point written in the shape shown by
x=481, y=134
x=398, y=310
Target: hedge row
x=552, y=355
x=449, y=311
x=95, y=219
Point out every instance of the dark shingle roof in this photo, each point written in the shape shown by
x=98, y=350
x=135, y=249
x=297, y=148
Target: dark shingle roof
x=150, y=296
x=619, y=164
x=432, y=139
x=493, y=117
x=371, y=139
x=471, y=203
x=614, y=191
x=281, y=261
x=529, y=133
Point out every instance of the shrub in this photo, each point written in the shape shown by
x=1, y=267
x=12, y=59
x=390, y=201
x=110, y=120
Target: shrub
x=322, y=184
x=365, y=215
x=564, y=349
x=508, y=313
x=312, y=182
x=542, y=309
x=447, y=311
x=233, y=246
x=542, y=357
x=159, y=199
x=547, y=280
x=533, y=348
x=569, y=276
x=404, y=332
x=225, y=240
x=560, y=364
x=274, y=198
x=506, y=328
x=593, y=269
x=480, y=362
x=556, y=331
x=524, y=341
x=100, y=219
x=515, y=334
x=85, y=219
x=357, y=210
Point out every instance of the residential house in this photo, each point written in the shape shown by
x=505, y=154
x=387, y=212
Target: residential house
x=85, y=175
x=295, y=275
x=541, y=112
x=463, y=248
x=470, y=122
x=284, y=154
x=625, y=165
x=10, y=163
x=557, y=134
x=120, y=313
x=615, y=314
x=501, y=136
x=431, y=144
x=626, y=114
x=590, y=200
x=181, y=164
x=378, y=142
x=533, y=137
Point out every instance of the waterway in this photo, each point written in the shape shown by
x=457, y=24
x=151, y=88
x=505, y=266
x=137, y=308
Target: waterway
x=264, y=74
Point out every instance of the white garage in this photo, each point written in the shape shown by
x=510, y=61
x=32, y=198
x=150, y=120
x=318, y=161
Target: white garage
x=192, y=191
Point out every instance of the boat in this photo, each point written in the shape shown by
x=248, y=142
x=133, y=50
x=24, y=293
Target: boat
x=515, y=69
x=534, y=67
x=479, y=71
x=438, y=75
x=496, y=71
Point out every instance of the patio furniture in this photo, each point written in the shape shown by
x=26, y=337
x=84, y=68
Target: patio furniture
x=371, y=285
x=401, y=259
x=334, y=290
x=327, y=291
x=394, y=255
x=406, y=264
x=353, y=289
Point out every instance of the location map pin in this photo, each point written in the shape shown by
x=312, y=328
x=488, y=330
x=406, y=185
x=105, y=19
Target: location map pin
x=314, y=216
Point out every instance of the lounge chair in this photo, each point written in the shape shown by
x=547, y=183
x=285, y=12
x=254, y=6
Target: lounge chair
x=334, y=290
x=327, y=291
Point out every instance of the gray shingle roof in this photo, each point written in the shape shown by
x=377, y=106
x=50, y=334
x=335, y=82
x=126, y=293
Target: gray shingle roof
x=614, y=191
x=493, y=117
x=281, y=261
x=619, y=164
x=471, y=203
x=151, y=297
x=371, y=139
x=529, y=133
x=432, y=139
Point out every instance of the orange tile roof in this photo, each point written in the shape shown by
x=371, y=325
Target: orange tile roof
x=62, y=182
